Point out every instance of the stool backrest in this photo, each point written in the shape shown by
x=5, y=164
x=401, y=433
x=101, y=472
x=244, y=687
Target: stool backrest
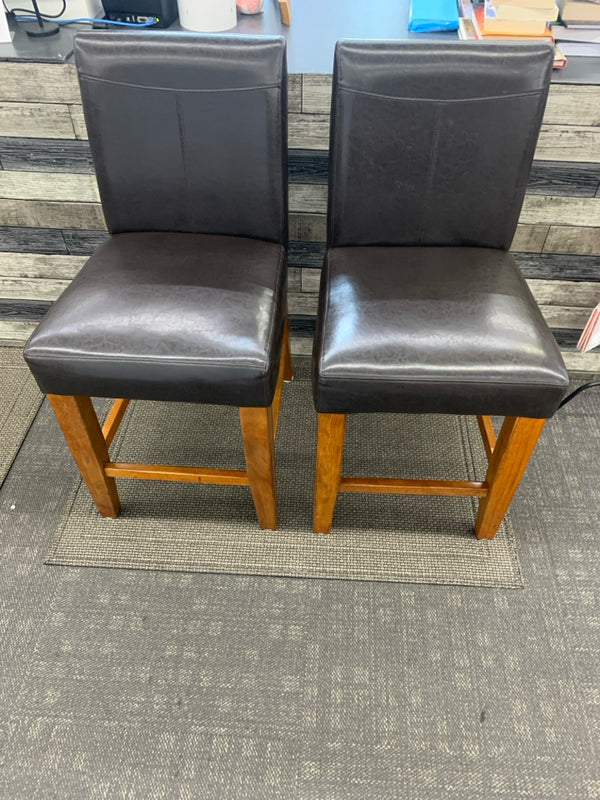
x=188, y=132
x=432, y=142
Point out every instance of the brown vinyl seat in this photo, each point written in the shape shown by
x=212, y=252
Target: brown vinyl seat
x=186, y=299
x=422, y=309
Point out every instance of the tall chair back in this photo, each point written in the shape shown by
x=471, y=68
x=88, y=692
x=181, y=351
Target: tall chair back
x=182, y=134
x=445, y=134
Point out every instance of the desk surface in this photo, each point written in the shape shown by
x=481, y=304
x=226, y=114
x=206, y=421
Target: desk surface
x=316, y=26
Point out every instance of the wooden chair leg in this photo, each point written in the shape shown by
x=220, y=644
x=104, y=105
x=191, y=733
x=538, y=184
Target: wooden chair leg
x=81, y=429
x=286, y=354
x=508, y=461
x=330, y=450
x=259, y=447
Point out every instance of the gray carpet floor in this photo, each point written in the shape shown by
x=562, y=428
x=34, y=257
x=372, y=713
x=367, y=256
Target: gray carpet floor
x=20, y=400
x=133, y=684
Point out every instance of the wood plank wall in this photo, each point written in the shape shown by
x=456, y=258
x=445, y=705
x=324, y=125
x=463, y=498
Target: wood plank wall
x=51, y=220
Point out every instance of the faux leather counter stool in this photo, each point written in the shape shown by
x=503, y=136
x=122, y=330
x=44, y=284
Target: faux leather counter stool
x=422, y=309
x=186, y=300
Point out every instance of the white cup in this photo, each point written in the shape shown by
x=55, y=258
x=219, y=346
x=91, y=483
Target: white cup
x=207, y=16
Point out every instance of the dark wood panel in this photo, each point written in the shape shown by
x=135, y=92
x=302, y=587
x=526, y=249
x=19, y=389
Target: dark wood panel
x=50, y=241
x=308, y=166
x=559, y=266
x=306, y=254
x=32, y=240
x=23, y=309
x=566, y=338
x=83, y=243
x=564, y=179
x=45, y=155
x=302, y=325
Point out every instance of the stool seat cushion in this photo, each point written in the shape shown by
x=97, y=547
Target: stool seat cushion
x=432, y=330
x=168, y=316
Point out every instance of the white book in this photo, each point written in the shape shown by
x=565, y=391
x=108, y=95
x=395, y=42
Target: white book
x=563, y=34
x=590, y=337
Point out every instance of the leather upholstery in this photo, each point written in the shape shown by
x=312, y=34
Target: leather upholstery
x=433, y=329
x=421, y=308
x=432, y=142
x=168, y=316
x=188, y=132
x=186, y=299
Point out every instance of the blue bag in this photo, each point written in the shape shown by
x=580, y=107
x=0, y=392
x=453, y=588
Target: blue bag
x=433, y=15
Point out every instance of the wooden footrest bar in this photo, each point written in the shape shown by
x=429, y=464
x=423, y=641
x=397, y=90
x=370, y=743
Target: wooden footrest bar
x=164, y=472
x=401, y=486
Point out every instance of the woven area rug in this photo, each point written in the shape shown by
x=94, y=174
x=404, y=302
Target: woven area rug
x=189, y=527
x=20, y=400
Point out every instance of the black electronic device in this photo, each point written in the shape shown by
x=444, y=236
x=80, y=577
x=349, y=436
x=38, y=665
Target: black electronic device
x=165, y=11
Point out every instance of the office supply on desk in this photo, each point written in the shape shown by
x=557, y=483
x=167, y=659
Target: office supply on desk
x=140, y=11
x=207, y=16
x=432, y=15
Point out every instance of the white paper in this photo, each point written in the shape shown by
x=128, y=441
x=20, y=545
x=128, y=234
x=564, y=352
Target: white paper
x=5, y=35
x=590, y=337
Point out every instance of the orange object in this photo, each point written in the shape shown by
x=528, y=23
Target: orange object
x=285, y=8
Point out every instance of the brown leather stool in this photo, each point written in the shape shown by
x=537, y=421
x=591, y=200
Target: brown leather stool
x=186, y=300
x=422, y=309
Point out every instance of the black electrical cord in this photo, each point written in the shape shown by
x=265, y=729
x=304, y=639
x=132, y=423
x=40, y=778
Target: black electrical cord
x=29, y=11
x=574, y=394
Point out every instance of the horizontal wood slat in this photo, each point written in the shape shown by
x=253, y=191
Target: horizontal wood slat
x=50, y=214
x=32, y=289
x=164, y=472
x=401, y=486
x=36, y=120
x=553, y=210
x=48, y=186
x=37, y=82
x=45, y=155
x=568, y=143
x=36, y=265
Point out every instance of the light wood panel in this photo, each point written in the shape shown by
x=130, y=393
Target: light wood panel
x=573, y=105
x=35, y=83
x=32, y=289
x=36, y=120
x=573, y=239
x=48, y=186
x=308, y=197
x=51, y=214
x=78, y=121
x=561, y=210
x=310, y=132
x=530, y=238
x=569, y=143
x=40, y=265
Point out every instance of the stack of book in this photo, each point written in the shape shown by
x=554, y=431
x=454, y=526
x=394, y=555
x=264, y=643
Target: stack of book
x=579, y=32
x=501, y=19
x=518, y=17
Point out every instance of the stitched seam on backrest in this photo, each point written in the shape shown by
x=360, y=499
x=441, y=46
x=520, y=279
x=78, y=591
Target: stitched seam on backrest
x=478, y=99
x=430, y=170
x=173, y=89
x=182, y=148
